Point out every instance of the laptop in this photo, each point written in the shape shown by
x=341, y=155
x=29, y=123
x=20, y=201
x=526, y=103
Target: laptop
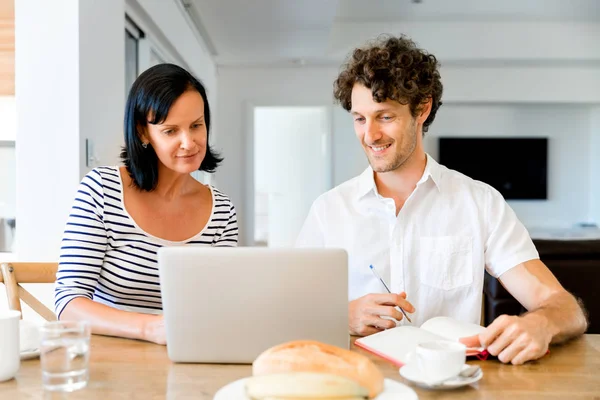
x=228, y=305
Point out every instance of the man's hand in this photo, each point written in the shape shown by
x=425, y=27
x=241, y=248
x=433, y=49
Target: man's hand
x=555, y=316
x=365, y=312
x=514, y=339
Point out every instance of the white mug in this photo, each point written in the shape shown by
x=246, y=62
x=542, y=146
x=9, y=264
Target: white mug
x=10, y=354
x=438, y=360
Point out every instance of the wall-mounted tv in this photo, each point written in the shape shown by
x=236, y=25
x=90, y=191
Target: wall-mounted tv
x=516, y=167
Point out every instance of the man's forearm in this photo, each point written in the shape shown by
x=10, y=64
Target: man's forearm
x=563, y=315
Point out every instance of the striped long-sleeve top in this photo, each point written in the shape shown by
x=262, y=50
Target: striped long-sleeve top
x=105, y=256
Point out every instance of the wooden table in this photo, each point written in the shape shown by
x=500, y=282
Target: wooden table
x=127, y=369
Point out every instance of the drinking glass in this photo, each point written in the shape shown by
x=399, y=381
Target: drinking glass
x=64, y=354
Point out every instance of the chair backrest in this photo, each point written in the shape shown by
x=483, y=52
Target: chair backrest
x=15, y=273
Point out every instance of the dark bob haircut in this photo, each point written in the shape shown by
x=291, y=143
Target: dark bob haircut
x=149, y=101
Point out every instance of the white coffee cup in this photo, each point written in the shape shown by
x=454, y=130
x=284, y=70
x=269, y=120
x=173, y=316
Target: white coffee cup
x=10, y=354
x=438, y=360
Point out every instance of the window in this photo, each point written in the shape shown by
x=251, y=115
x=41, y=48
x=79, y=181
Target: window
x=7, y=195
x=132, y=37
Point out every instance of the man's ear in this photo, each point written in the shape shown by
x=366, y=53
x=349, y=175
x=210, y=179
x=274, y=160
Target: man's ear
x=425, y=109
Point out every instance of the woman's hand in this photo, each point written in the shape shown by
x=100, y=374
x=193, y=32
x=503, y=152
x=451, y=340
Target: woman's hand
x=154, y=329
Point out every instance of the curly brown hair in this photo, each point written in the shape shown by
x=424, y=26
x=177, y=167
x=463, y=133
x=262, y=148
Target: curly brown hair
x=393, y=68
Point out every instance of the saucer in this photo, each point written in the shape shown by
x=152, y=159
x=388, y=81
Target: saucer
x=30, y=354
x=392, y=390
x=411, y=373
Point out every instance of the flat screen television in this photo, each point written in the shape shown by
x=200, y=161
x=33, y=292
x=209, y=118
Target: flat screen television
x=516, y=167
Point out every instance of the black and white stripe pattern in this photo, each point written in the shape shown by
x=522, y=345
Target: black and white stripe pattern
x=106, y=257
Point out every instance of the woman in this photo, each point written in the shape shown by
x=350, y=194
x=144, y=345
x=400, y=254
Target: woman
x=121, y=216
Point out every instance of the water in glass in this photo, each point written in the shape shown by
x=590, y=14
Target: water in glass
x=64, y=358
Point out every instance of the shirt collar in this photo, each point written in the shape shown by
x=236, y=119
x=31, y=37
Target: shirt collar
x=366, y=180
x=366, y=183
x=433, y=170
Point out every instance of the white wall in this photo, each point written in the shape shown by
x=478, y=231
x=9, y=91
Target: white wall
x=48, y=99
x=8, y=112
x=48, y=123
x=526, y=84
x=500, y=88
x=568, y=129
x=101, y=81
x=594, y=155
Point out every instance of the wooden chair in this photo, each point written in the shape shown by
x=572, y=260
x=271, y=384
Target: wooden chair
x=13, y=274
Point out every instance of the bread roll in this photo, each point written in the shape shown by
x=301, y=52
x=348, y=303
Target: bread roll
x=317, y=357
x=306, y=385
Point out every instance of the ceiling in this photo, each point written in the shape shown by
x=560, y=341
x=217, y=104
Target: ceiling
x=292, y=32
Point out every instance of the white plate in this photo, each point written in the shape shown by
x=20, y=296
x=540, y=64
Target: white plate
x=412, y=374
x=29, y=338
x=392, y=390
x=29, y=354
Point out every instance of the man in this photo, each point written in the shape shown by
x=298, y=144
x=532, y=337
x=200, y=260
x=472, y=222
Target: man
x=429, y=231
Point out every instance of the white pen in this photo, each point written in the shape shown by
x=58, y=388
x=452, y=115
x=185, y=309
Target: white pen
x=388, y=289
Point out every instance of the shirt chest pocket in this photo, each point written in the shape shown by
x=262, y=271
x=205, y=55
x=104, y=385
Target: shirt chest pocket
x=446, y=262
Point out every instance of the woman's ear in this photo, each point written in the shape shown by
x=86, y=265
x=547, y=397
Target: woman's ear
x=142, y=134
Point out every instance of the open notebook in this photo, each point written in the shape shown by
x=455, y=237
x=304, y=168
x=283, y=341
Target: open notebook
x=395, y=344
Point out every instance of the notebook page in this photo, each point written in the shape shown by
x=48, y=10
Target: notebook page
x=452, y=329
x=394, y=344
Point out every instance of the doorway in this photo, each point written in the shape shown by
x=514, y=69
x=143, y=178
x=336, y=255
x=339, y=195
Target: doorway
x=292, y=167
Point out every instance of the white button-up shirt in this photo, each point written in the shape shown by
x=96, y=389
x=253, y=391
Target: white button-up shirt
x=450, y=228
